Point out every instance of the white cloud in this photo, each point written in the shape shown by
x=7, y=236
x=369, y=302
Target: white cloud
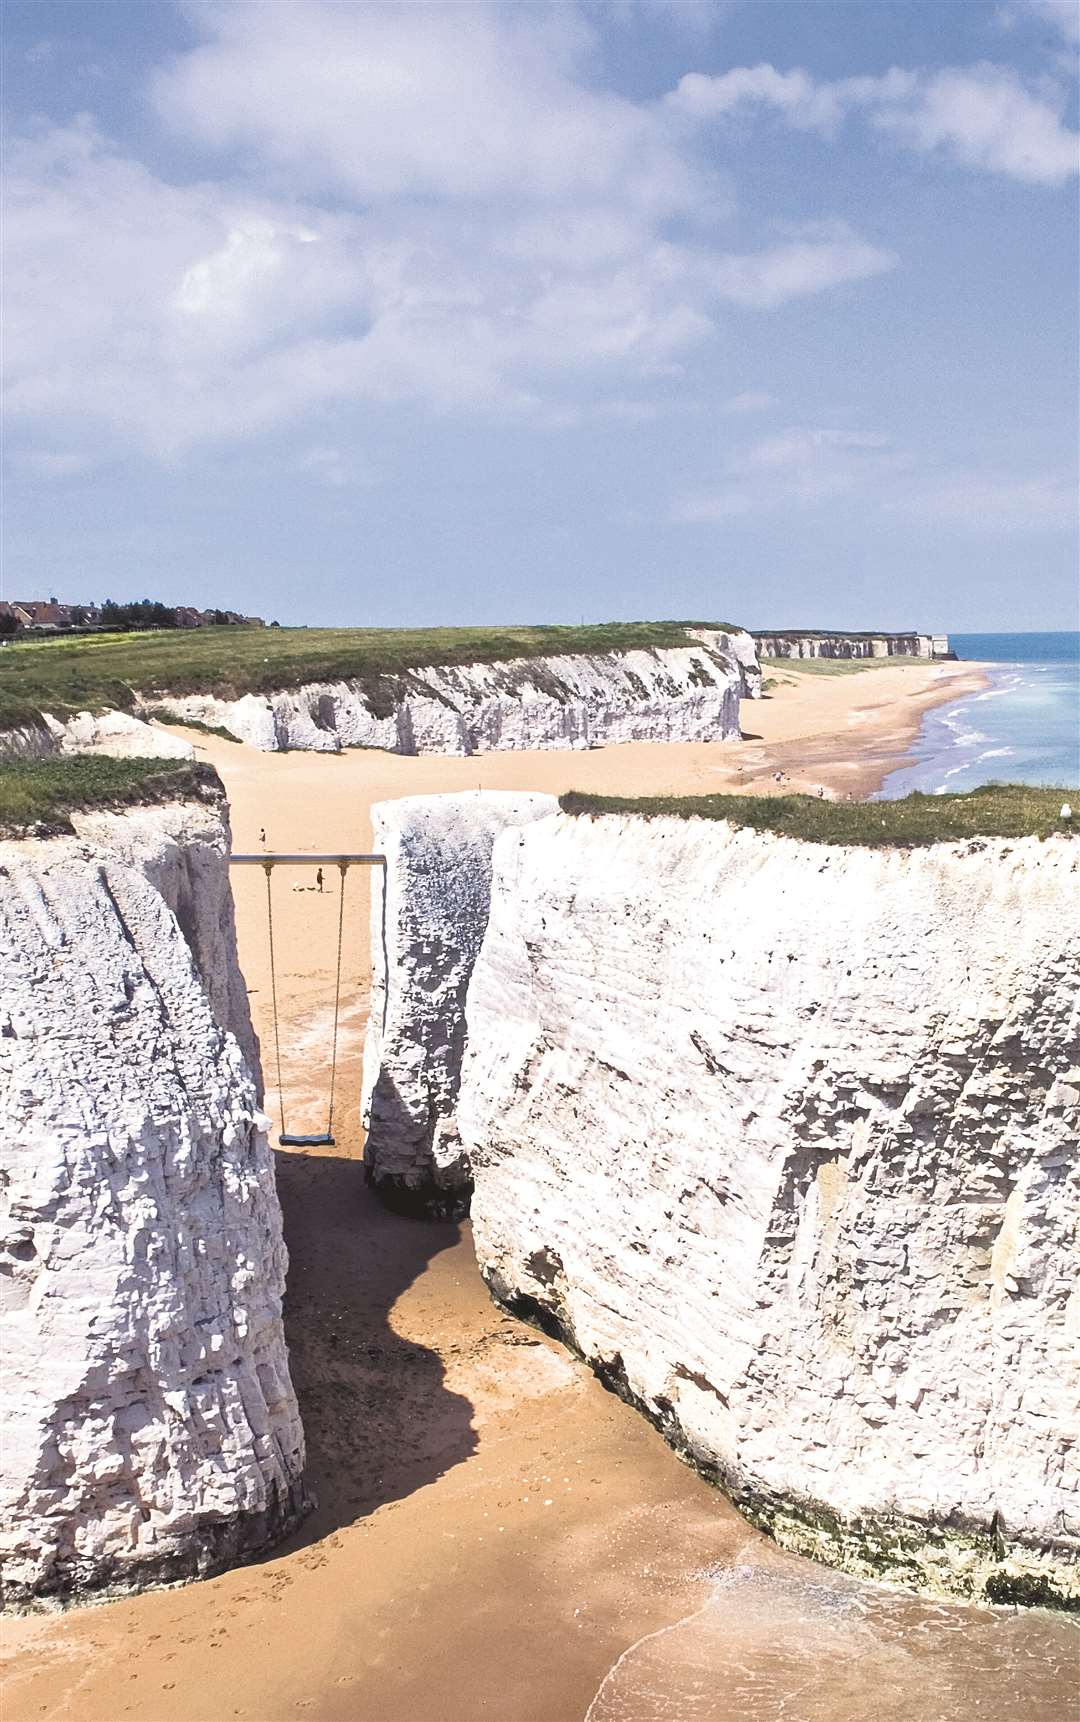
x=210, y=311
x=1064, y=15
x=986, y=118
x=52, y=464
x=799, y=467
x=803, y=102
x=750, y=401
x=695, y=17
x=709, y=507
x=803, y=467
x=980, y=503
x=982, y=116
x=782, y=272
x=224, y=283
x=339, y=469
x=455, y=102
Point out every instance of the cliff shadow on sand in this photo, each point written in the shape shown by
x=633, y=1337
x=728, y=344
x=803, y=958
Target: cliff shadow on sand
x=378, y=1421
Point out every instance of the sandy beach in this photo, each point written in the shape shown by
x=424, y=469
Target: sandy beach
x=496, y=1536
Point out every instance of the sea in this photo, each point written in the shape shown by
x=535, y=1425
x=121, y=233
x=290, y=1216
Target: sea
x=1023, y=728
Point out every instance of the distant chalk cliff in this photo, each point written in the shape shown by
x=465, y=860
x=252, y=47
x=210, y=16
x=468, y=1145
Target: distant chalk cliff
x=678, y=693
x=805, y=643
x=577, y=699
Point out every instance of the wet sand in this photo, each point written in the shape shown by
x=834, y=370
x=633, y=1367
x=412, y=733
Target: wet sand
x=497, y=1536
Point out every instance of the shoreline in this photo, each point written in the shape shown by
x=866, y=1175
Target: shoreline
x=877, y=737
x=842, y=733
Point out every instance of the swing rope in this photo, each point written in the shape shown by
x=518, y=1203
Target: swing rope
x=343, y=869
x=269, y=867
x=329, y=1132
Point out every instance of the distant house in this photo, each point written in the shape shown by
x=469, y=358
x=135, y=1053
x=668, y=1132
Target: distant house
x=45, y=615
x=42, y=613
x=188, y=617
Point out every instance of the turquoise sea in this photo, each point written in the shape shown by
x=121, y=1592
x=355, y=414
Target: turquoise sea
x=1023, y=728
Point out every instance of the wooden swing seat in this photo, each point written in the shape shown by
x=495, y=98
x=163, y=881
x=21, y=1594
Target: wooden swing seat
x=322, y=1139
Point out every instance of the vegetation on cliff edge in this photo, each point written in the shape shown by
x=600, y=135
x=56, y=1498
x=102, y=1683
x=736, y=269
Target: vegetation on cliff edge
x=105, y=671
x=39, y=795
x=995, y=810
x=838, y=666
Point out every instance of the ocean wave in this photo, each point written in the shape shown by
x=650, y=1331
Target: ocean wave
x=1027, y=717
x=956, y=720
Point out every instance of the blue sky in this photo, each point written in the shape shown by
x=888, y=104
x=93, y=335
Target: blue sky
x=458, y=314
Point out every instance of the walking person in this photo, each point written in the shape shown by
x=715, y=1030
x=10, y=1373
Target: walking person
x=318, y=879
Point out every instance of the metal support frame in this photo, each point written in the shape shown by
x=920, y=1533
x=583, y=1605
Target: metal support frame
x=275, y=859
x=268, y=861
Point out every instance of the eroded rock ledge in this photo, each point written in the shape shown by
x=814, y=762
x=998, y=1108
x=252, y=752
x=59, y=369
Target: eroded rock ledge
x=150, y=1430
x=783, y=1139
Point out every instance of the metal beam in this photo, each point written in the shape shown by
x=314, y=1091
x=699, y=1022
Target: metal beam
x=273, y=858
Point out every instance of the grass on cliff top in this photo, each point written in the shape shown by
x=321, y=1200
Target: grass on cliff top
x=99, y=672
x=995, y=810
x=836, y=666
x=39, y=795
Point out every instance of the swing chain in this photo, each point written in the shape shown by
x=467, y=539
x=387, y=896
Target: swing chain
x=342, y=869
x=268, y=867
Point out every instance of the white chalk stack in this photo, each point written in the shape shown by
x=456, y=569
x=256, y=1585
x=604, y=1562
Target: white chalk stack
x=429, y=912
x=150, y=1431
x=783, y=1138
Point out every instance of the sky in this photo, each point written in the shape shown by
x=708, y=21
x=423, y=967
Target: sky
x=404, y=314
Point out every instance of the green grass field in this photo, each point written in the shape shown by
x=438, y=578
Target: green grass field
x=996, y=810
x=832, y=666
x=104, y=672
x=40, y=794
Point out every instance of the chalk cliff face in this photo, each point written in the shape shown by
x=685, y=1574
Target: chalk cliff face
x=150, y=1431
x=27, y=741
x=429, y=913
x=801, y=644
x=783, y=1139
x=685, y=693
x=117, y=734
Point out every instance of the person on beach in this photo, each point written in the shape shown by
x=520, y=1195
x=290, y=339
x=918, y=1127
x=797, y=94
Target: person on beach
x=318, y=879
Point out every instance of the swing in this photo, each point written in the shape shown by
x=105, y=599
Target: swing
x=323, y=1138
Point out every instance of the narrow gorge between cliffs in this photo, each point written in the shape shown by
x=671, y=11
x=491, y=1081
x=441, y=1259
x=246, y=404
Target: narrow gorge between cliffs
x=461, y=1458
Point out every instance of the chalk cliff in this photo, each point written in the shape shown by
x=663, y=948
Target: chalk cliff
x=782, y=1138
x=802, y=643
x=117, y=734
x=681, y=693
x=429, y=913
x=150, y=1431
